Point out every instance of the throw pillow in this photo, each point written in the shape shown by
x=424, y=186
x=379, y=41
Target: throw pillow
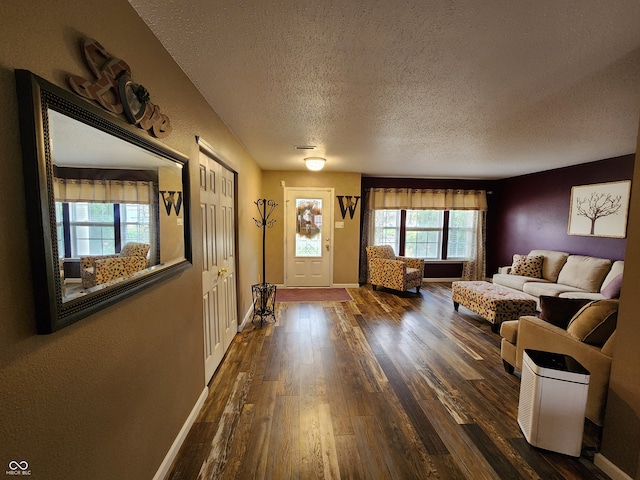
x=595, y=322
x=612, y=289
x=559, y=311
x=527, y=266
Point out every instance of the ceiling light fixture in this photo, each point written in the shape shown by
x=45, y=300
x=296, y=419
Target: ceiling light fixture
x=314, y=163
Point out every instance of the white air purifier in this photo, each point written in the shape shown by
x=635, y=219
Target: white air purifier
x=553, y=398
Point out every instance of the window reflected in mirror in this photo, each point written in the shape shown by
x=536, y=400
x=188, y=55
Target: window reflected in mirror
x=117, y=207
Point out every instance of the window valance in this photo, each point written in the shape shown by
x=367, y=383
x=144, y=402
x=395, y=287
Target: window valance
x=426, y=199
x=103, y=191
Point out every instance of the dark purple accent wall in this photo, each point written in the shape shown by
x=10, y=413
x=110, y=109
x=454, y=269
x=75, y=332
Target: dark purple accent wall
x=532, y=212
x=443, y=270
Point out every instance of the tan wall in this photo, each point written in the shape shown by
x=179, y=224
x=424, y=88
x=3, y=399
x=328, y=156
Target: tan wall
x=171, y=231
x=346, y=241
x=621, y=431
x=105, y=397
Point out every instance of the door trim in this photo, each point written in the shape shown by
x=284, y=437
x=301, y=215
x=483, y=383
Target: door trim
x=331, y=191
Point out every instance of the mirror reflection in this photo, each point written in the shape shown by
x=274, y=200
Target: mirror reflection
x=118, y=208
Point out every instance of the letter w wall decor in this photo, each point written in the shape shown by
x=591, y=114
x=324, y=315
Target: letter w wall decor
x=350, y=205
x=171, y=199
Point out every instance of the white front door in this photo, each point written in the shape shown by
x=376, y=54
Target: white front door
x=309, y=244
x=219, y=304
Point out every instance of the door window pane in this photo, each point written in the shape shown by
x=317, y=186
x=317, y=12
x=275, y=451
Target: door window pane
x=308, y=227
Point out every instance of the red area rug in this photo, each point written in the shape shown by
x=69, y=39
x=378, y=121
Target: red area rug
x=285, y=295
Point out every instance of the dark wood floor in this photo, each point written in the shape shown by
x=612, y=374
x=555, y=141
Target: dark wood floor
x=396, y=386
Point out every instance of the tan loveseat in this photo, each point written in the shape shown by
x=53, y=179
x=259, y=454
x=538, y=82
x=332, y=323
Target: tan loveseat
x=562, y=275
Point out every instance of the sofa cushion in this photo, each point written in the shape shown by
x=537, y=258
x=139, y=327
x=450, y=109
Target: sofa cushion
x=552, y=264
x=617, y=268
x=586, y=273
x=514, y=281
x=595, y=322
x=612, y=289
x=582, y=294
x=554, y=289
x=527, y=266
x=559, y=311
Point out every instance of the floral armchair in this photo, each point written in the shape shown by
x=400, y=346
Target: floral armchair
x=398, y=273
x=101, y=269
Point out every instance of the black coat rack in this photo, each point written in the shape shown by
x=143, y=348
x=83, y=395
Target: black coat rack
x=264, y=294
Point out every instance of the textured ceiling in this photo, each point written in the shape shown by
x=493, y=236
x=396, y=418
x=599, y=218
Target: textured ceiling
x=414, y=88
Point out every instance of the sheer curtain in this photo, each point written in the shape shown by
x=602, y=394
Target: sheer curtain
x=475, y=269
x=430, y=199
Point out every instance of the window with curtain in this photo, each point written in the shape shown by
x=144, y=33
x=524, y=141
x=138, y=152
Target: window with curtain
x=98, y=217
x=434, y=224
x=100, y=228
x=429, y=234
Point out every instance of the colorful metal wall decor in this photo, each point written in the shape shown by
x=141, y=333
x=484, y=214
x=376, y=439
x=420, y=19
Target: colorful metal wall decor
x=114, y=90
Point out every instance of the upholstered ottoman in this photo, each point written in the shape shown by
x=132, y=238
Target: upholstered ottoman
x=492, y=302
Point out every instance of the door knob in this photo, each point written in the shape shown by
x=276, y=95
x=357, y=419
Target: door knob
x=222, y=271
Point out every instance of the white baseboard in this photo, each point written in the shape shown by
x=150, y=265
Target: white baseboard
x=246, y=319
x=177, y=443
x=608, y=467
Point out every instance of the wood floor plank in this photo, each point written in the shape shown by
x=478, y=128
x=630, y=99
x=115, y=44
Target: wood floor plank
x=405, y=447
x=389, y=386
x=255, y=463
x=331, y=469
x=239, y=446
x=430, y=439
x=371, y=453
x=348, y=454
x=284, y=440
x=221, y=443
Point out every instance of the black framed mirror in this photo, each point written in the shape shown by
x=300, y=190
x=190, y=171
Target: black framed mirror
x=107, y=205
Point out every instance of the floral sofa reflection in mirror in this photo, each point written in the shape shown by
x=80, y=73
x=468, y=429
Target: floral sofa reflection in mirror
x=97, y=270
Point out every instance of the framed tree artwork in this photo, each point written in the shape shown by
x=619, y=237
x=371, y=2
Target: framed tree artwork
x=600, y=210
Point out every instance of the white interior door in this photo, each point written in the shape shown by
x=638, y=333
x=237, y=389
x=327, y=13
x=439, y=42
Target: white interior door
x=308, y=244
x=219, y=304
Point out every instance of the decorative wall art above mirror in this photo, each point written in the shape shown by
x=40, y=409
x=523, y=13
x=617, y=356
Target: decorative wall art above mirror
x=107, y=205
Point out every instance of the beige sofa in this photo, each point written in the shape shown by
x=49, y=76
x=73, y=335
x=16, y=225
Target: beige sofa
x=563, y=275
